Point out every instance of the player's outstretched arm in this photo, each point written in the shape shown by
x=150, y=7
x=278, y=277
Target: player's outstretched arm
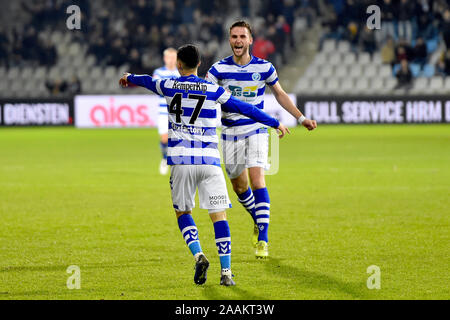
x=235, y=105
x=286, y=102
x=140, y=80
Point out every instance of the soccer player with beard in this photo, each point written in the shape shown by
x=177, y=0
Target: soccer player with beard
x=245, y=142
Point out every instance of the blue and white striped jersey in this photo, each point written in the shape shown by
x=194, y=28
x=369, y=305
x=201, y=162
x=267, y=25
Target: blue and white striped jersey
x=164, y=73
x=193, y=107
x=247, y=83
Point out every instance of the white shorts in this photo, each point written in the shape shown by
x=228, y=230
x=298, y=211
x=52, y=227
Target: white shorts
x=245, y=152
x=209, y=179
x=163, y=123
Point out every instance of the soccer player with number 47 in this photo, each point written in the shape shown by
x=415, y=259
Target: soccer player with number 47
x=245, y=142
x=193, y=106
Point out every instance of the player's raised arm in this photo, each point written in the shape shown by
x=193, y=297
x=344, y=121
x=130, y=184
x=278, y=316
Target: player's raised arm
x=286, y=102
x=144, y=80
x=233, y=104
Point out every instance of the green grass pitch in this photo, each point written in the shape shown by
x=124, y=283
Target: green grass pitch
x=345, y=198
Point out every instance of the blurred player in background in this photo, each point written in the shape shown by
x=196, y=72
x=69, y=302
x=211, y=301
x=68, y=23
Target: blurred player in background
x=245, y=143
x=168, y=71
x=193, y=152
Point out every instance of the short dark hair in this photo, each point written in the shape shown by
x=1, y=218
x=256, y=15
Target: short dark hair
x=242, y=23
x=189, y=55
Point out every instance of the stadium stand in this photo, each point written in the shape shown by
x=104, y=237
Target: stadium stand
x=119, y=36
x=352, y=59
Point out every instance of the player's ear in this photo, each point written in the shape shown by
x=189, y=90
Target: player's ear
x=199, y=63
x=179, y=65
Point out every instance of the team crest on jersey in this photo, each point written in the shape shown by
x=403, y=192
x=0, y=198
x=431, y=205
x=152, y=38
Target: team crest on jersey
x=256, y=76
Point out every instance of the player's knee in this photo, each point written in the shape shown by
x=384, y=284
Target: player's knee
x=180, y=213
x=241, y=188
x=217, y=215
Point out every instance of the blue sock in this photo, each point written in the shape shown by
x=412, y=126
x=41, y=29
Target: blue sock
x=223, y=243
x=190, y=233
x=163, y=147
x=248, y=201
x=262, y=212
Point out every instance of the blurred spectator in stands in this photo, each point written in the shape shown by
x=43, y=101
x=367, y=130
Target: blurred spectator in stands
x=367, y=40
x=282, y=30
x=262, y=47
x=404, y=51
x=443, y=66
x=388, y=52
x=3, y=47
x=353, y=12
x=57, y=87
x=404, y=76
x=74, y=86
x=445, y=26
x=47, y=54
x=245, y=8
x=289, y=11
x=272, y=36
x=424, y=18
x=420, y=52
x=406, y=11
x=387, y=20
x=352, y=35
x=134, y=59
x=330, y=22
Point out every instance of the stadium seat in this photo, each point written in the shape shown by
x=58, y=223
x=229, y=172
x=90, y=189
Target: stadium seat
x=364, y=58
x=432, y=45
x=302, y=85
x=349, y=58
x=389, y=84
x=395, y=69
x=415, y=69
x=356, y=71
x=333, y=85
x=447, y=84
x=436, y=85
x=420, y=86
x=327, y=71
x=90, y=60
x=385, y=71
x=312, y=71
x=320, y=58
x=428, y=71
x=13, y=73
x=96, y=73
x=329, y=45
x=318, y=85
x=347, y=86
x=341, y=71
x=377, y=85
x=111, y=72
x=362, y=85
x=343, y=46
x=335, y=58
x=376, y=59
x=371, y=70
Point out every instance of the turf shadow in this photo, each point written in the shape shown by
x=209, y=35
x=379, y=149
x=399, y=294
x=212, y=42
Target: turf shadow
x=314, y=280
x=212, y=292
